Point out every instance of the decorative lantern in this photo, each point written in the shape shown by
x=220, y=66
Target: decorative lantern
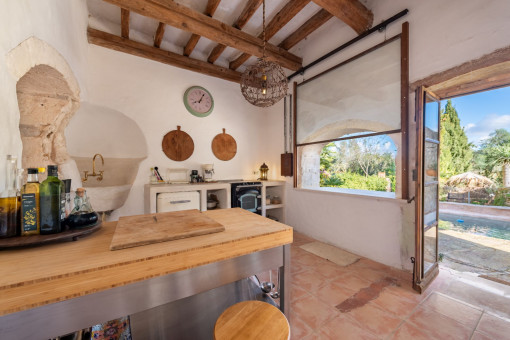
x=263, y=172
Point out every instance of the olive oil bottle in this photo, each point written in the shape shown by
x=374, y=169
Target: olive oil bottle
x=52, y=202
x=30, y=224
x=10, y=202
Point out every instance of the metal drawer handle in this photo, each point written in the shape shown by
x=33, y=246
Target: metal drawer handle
x=180, y=202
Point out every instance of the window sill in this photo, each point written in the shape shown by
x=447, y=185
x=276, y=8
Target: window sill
x=377, y=195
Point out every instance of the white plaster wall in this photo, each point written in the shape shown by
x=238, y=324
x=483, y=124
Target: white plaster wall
x=443, y=34
x=151, y=94
x=62, y=24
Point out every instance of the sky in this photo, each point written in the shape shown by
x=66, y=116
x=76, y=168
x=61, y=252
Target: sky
x=482, y=113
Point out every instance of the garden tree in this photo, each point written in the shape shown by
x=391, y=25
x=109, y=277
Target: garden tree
x=500, y=156
x=499, y=137
x=456, y=153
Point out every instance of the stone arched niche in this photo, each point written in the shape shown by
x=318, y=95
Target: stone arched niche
x=309, y=156
x=48, y=95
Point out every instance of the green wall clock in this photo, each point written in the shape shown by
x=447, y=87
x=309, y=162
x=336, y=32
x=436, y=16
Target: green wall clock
x=198, y=101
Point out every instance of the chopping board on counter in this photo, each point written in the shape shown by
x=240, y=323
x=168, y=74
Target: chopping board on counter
x=139, y=230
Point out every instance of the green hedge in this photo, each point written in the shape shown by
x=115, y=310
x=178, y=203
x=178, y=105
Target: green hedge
x=350, y=180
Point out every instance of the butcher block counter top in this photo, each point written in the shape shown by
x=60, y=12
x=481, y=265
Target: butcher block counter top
x=39, y=276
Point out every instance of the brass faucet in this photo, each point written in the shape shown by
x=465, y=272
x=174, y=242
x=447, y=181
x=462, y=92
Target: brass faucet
x=94, y=174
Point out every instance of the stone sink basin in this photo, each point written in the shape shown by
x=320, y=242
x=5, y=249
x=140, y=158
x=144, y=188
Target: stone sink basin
x=112, y=192
x=107, y=198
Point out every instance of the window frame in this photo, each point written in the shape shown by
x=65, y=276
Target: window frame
x=404, y=108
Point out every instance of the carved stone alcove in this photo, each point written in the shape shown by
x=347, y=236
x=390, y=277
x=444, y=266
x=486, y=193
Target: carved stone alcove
x=48, y=96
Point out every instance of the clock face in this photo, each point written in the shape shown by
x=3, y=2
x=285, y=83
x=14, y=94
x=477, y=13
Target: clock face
x=198, y=101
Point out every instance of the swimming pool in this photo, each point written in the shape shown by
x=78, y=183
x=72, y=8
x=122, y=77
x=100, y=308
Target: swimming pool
x=475, y=225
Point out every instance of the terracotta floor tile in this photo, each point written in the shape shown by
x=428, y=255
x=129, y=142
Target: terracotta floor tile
x=406, y=292
x=296, y=268
x=366, y=263
x=369, y=274
x=480, y=336
x=438, y=325
x=332, y=294
x=343, y=327
x=307, y=259
x=494, y=326
x=300, y=238
x=299, y=329
x=352, y=282
x=396, y=304
x=331, y=270
x=309, y=281
x=375, y=319
x=297, y=292
x=407, y=331
x=313, y=312
x=454, y=309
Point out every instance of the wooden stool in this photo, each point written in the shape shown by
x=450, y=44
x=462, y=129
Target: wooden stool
x=252, y=320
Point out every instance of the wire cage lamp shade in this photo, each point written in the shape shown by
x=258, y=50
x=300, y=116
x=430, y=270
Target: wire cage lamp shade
x=264, y=83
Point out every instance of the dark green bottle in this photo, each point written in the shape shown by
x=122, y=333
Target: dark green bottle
x=51, y=194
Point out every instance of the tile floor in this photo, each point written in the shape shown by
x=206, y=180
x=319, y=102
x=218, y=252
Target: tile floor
x=454, y=306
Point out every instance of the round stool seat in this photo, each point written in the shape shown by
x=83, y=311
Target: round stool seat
x=252, y=320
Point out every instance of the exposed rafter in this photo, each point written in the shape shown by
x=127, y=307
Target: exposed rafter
x=249, y=9
x=280, y=19
x=352, y=12
x=193, y=40
x=319, y=19
x=124, y=23
x=158, y=37
x=171, y=13
x=149, y=52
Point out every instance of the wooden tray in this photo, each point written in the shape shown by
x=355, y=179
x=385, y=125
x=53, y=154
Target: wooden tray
x=178, y=145
x=224, y=146
x=37, y=240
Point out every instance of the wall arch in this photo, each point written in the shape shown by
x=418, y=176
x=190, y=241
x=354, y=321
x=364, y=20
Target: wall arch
x=48, y=95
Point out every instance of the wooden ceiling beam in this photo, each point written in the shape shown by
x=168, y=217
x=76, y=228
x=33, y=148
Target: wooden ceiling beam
x=158, y=37
x=124, y=23
x=352, y=12
x=319, y=19
x=281, y=19
x=184, y=18
x=249, y=9
x=120, y=44
x=193, y=40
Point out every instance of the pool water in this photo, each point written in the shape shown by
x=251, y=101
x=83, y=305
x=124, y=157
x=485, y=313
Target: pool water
x=475, y=225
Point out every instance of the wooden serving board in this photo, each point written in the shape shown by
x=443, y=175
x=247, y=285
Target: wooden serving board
x=224, y=146
x=139, y=230
x=178, y=145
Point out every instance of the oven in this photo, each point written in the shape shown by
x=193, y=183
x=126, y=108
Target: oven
x=247, y=195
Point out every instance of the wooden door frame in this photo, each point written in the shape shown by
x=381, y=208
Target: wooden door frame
x=488, y=72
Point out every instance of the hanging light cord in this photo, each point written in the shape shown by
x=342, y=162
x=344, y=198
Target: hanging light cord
x=264, y=29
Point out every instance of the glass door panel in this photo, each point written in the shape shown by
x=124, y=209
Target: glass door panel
x=427, y=188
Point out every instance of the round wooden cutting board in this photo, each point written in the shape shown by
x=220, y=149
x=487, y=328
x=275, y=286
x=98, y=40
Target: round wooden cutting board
x=224, y=146
x=178, y=145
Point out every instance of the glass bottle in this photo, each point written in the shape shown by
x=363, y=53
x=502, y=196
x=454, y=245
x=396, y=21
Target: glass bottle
x=10, y=202
x=52, y=202
x=30, y=204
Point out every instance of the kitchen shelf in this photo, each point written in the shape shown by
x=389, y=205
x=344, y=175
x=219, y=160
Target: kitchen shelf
x=274, y=206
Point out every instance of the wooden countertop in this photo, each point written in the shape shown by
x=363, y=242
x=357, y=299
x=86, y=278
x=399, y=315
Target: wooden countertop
x=38, y=276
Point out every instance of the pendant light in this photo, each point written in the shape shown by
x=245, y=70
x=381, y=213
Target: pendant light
x=264, y=83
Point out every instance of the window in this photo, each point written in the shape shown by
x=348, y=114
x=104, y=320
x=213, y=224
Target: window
x=365, y=163
x=350, y=122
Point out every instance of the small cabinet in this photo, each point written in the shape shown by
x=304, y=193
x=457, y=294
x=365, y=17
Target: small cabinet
x=221, y=190
x=275, y=192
